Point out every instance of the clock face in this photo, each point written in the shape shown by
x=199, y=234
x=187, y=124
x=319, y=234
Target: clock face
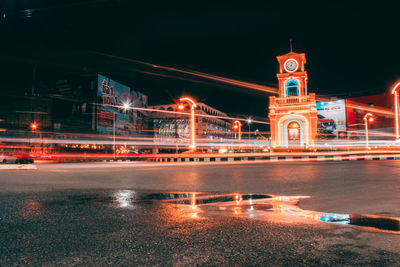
x=291, y=65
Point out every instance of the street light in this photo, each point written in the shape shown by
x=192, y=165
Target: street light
x=237, y=125
x=367, y=118
x=125, y=106
x=33, y=126
x=248, y=123
x=395, y=92
x=192, y=122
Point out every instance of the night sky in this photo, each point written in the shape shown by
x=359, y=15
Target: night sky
x=351, y=50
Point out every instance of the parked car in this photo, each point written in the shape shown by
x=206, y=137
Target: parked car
x=8, y=159
x=25, y=160
x=14, y=159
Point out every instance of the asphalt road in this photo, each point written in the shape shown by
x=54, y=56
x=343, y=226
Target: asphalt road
x=72, y=214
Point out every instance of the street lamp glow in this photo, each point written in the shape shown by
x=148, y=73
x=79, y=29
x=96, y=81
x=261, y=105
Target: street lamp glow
x=249, y=121
x=126, y=106
x=395, y=92
x=367, y=118
x=33, y=126
x=238, y=125
x=193, y=105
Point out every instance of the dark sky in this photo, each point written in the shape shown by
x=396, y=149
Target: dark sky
x=350, y=49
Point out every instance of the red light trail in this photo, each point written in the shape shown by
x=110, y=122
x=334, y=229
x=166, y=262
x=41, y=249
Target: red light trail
x=221, y=79
x=188, y=113
x=254, y=86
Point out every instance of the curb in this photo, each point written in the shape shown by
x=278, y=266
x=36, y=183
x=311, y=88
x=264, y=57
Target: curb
x=17, y=167
x=280, y=158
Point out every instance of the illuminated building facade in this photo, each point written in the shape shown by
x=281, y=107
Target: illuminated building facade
x=172, y=125
x=293, y=114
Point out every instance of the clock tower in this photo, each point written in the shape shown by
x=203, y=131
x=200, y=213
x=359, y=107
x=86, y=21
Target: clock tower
x=293, y=114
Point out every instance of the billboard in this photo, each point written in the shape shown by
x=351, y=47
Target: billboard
x=332, y=119
x=110, y=117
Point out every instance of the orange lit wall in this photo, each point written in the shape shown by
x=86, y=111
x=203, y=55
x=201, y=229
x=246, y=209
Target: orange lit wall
x=355, y=114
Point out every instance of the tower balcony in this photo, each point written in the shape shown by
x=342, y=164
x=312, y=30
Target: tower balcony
x=292, y=100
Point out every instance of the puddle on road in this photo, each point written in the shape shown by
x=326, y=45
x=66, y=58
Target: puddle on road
x=206, y=204
x=248, y=204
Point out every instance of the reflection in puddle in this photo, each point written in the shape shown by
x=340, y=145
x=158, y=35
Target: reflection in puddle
x=259, y=206
x=184, y=205
x=31, y=209
x=124, y=198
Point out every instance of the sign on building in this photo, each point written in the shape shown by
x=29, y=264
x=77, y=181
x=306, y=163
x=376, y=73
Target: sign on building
x=332, y=119
x=111, y=97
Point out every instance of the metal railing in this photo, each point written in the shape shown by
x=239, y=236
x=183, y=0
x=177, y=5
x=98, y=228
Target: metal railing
x=292, y=100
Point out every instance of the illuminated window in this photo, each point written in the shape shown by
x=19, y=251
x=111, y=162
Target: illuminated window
x=292, y=88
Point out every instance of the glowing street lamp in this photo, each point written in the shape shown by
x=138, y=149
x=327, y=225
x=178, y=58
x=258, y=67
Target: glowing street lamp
x=237, y=125
x=249, y=121
x=33, y=126
x=395, y=92
x=125, y=107
x=192, y=121
x=367, y=118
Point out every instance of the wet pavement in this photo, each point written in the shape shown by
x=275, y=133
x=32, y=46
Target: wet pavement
x=102, y=216
x=129, y=227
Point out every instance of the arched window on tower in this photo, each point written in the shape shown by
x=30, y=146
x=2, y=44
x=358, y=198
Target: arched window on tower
x=292, y=88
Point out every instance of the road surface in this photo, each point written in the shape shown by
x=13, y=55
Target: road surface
x=70, y=214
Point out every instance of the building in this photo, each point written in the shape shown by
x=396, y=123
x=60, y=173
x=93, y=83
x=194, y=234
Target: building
x=110, y=116
x=91, y=103
x=166, y=123
x=293, y=114
x=74, y=98
x=344, y=118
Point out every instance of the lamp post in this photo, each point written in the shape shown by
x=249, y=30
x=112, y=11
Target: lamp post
x=125, y=106
x=238, y=125
x=193, y=105
x=367, y=118
x=395, y=92
x=33, y=127
x=248, y=124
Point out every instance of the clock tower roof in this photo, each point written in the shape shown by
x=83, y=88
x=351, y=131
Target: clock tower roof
x=297, y=56
x=299, y=60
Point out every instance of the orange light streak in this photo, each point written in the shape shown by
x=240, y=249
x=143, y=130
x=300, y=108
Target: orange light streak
x=193, y=199
x=366, y=127
x=238, y=126
x=249, y=85
x=396, y=104
x=258, y=87
x=395, y=91
x=186, y=113
x=192, y=121
x=381, y=111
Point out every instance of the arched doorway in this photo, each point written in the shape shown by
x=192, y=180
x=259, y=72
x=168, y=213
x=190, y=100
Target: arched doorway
x=293, y=133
